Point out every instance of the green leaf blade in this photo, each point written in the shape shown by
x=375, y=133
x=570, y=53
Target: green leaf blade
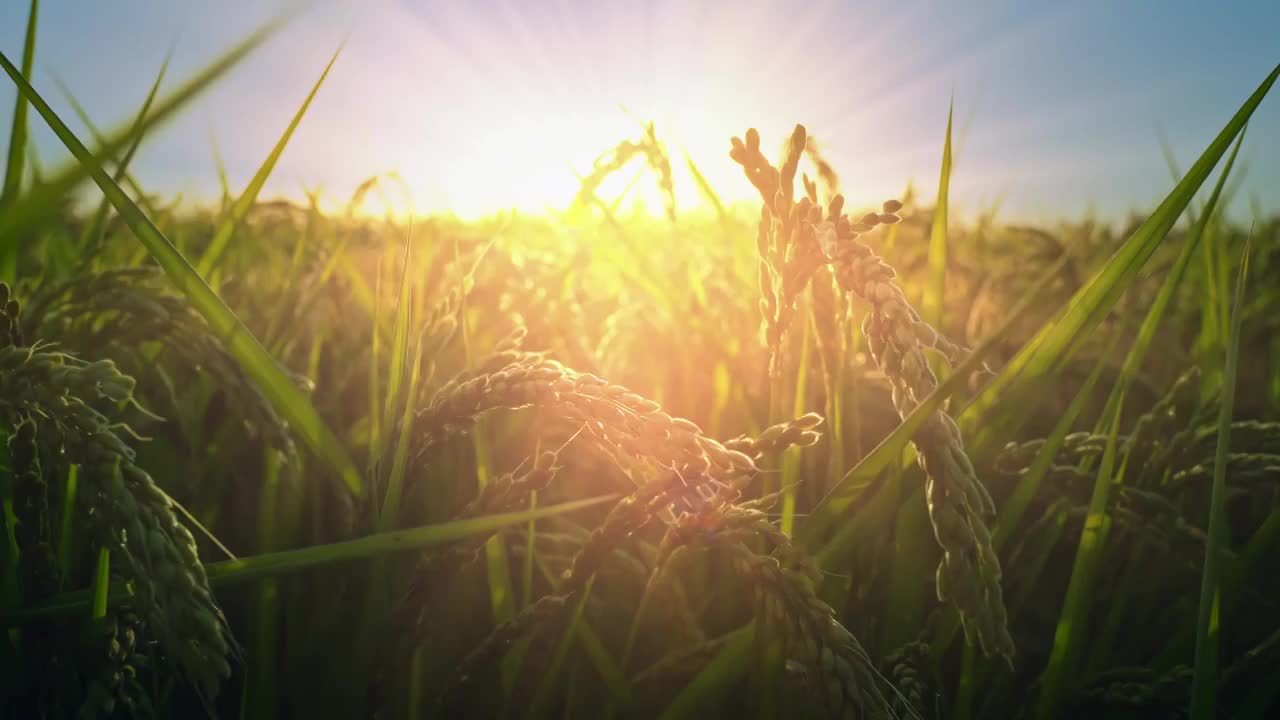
x=18, y=129
x=1053, y=345
x=45, y=199
x=1208, y=630
x=256, y=362
x=244, y=203
x=935, y=289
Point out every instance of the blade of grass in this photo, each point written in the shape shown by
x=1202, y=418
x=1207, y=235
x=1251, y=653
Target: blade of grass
x=1209, y=628
x=1062, y=658
x=390, y=512
x=274, y=383
x=101, y=584
x=1019, y=500
x=378, y=595
x=1066, y=648
x=1053, y=344
x=914, y=558
x=13, y=169
x=1103, y=641
x=1146, y=334
x=375, y=370
x=400, y=338
x=1172, y=163
x=705, y=187
x=49, y=194
x=260, y=696
x=234, y=572
x=93, y=232
x=239, y=209
x=223, y=182
x=122, y=178
x=935, y=289
x=290, y=291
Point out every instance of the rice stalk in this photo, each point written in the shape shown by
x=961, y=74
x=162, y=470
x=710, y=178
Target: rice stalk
x=960, y=506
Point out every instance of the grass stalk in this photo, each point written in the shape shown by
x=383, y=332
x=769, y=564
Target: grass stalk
x=254, y=359
x=1209, y=626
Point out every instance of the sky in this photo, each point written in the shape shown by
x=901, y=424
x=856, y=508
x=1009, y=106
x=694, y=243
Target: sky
x=486, y=105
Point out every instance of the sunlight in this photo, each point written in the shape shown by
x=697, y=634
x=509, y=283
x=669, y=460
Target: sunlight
x=534, y=165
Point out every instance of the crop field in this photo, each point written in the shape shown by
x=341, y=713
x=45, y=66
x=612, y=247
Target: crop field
x=796, y=459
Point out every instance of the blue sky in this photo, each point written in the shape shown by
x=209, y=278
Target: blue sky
x=482, y=105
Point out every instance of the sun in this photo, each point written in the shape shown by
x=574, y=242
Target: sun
x=535, y=165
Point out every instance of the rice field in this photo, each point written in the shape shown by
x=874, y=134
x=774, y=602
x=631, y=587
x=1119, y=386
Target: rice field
x=813, y=460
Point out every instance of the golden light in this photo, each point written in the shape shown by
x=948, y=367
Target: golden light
x=479, y=118
x=534, y=164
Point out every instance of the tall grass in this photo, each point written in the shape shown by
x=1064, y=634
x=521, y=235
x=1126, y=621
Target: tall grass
x=502, y=469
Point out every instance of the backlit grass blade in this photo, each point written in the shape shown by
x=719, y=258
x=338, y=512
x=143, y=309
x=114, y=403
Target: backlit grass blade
x=705, y=188
x=1209, y=628
x=400, y=336
x=1147, y=332
x=235, y=572
x=224, y=183
x=124, y=178
x=1062, y=658
x=1013, y=508
x=1052, y=346
x=47, y=196
x=1089, y=552
x=232, y=572
x=239, y=209
x=13, y=167
x=1172, y=163
x=93, y=231
x=935, y=288
x=906, y=521
x=862, y=475
x=375, y=369
x=390, y=511
x=274, y=383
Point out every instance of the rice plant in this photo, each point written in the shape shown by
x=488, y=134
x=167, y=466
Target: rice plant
x=807, y=461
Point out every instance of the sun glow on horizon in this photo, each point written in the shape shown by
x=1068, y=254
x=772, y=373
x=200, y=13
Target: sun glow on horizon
x=491, y=105
x=518, y=111
x=535, y=165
